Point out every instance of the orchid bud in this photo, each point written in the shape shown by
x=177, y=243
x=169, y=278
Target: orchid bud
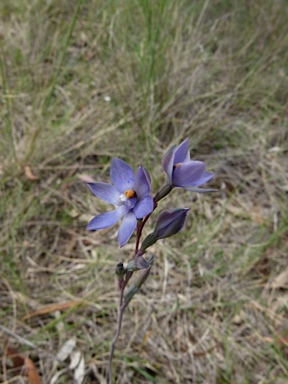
x=170, y=222
x=120, y=272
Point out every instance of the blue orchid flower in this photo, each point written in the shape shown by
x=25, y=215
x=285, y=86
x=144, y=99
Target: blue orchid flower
x=183, y=172
x=131, y=196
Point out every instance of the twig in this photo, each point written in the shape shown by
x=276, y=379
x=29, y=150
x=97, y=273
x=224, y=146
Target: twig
x=123, y=285
x=114, y=341
x=133, y=289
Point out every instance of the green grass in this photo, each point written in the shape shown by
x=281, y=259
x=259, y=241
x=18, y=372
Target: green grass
x=215, y=72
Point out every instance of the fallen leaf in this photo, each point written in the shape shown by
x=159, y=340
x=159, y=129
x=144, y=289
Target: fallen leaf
x=77, y=363
x=16, y=357
x=281, y=281
x=31, y=372
x=29, y=174
x=281, y=340
x=57, y=374
x=24, y=364
x=66, y=349
x=52, y=308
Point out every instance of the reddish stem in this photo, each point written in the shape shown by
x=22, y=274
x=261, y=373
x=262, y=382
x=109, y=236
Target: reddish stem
x=122, y=306
x=140, y=226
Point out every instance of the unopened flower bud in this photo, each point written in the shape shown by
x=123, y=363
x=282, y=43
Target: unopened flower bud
x=120, y=272
x=170, y=222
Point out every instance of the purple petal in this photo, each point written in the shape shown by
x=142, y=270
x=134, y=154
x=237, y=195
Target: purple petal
x=188, y=173
x=181, y=152
x=142, y=183
x=121, y=174
x=148, y=177
x=144, y=207
x=130, y=203
x=106, y=219
x=170, y=222
x=205, y=177
x=105, y=191
x=168, y=162
x=187, y=157
x=127, y=228
x=166, y=217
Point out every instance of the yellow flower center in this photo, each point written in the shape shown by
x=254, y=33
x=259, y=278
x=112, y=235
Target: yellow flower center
x=130, y=193
x=176, y=165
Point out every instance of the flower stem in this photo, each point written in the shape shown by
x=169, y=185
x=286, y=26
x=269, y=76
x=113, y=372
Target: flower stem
x=121, y=310
x=122, y=307
x=140, y=226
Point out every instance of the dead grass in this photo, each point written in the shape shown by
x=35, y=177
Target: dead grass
x=82, y=82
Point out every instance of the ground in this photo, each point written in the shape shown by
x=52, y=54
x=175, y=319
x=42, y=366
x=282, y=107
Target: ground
x=82, y=82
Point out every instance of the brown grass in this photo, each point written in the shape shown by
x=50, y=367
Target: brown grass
x=214, y=309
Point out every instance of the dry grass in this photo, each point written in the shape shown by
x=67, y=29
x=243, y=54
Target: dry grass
x=214, y=309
